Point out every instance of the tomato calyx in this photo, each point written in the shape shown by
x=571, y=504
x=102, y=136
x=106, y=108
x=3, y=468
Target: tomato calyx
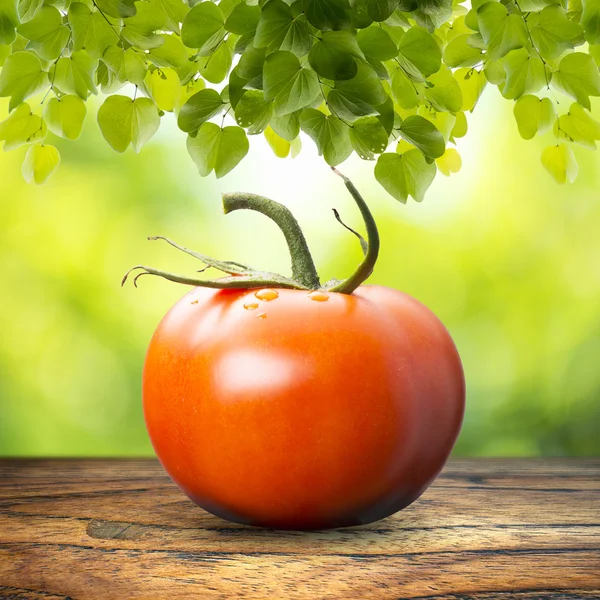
x=304, y=273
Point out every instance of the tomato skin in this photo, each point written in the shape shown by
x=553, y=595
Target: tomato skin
x=302, y=414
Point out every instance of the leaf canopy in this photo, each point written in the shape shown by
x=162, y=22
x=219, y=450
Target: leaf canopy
x=353, y=75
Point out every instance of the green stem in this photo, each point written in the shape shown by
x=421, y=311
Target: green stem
x=304, y=276
x=303, y=267
x=363, y=243
x=227, y=266
x=366, y=266
x=250, y=281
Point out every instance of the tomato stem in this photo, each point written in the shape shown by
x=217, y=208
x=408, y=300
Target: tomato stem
x=366, y=267
x=304, y=273
x=253, y=279
x=303, y=266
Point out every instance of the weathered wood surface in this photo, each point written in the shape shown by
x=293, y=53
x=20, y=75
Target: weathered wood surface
x=102, y=529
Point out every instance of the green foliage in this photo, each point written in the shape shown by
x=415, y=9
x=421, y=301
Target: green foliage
x=218, y=149
x=40, y=162
x=355, y=76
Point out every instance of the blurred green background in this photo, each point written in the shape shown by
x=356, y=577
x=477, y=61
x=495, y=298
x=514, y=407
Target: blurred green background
x=508, y=260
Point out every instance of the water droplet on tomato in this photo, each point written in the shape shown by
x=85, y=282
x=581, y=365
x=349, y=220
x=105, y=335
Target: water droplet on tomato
x=318, y=296
x=251, y=305
x=261, y=316
x=267, y=294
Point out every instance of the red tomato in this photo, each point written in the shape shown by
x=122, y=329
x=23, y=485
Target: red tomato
x=302, y=410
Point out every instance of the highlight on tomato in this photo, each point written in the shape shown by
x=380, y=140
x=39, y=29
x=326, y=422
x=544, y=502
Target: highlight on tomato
x=294, y=404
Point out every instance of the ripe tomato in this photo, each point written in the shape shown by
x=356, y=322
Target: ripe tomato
x=296, y=410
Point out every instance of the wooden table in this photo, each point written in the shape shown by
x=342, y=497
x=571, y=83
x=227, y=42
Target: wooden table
x=87, y=529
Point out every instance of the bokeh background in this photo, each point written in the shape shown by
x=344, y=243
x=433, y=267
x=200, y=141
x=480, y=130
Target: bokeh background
x=508, y=260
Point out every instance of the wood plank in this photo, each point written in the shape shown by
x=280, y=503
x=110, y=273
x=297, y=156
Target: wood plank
x=486, y=529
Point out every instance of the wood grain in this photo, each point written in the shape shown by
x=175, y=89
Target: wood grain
x=101, y=529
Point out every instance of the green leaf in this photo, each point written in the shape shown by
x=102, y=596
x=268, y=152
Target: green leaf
x=460, y=126
x=386, y=115
x=201, y=107
x=460, y=53
x=533, y=115
x=164, y=88
x=171, y=53
x=376, y=43
x=217, y=149
x=280, y=30
x=286, y=126
x=404, y=175
x=124, y=121
x=525, y=74
x=9, y=19
x=215, y=68
x=291, y=86
x=27, y=9
x=174, y=12
x=145, y=124
x=117, y=8
x=90, y=30
x=252, y=112
x=445, y=93
x=280, y=146
x=203, y=27
x=329, y=133
x=327, y=14
x=21, y=127
x=235, y=87
x=75, y=75
x=368, y=137
x=251, y=63
x=500, y=31
x=140, y=30
x=560, y=162
x=334, y=55
x=243, y=19
x=358, y=96
x=204, y=146
x=40, y=162
x=590, y=20
x=380, y=10
x=419, y=54
x=578, y=126
x=437, y=10
x=444, y=122
x=107, y=80
x=404, y=90
x=4, y=53
x=21, y=76
x=46, y=34
x=593, y=50
x=472, y=83
x=65, y=116
x=449, y=162
x=553, y=33
x=127, y=65
x=115, y=118
x=227, y=6
x=494, y=72
x=188, y=90
x=578, y=77
x=422, y=134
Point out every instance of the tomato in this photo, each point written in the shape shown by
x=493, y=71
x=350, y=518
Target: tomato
x=296, y=410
